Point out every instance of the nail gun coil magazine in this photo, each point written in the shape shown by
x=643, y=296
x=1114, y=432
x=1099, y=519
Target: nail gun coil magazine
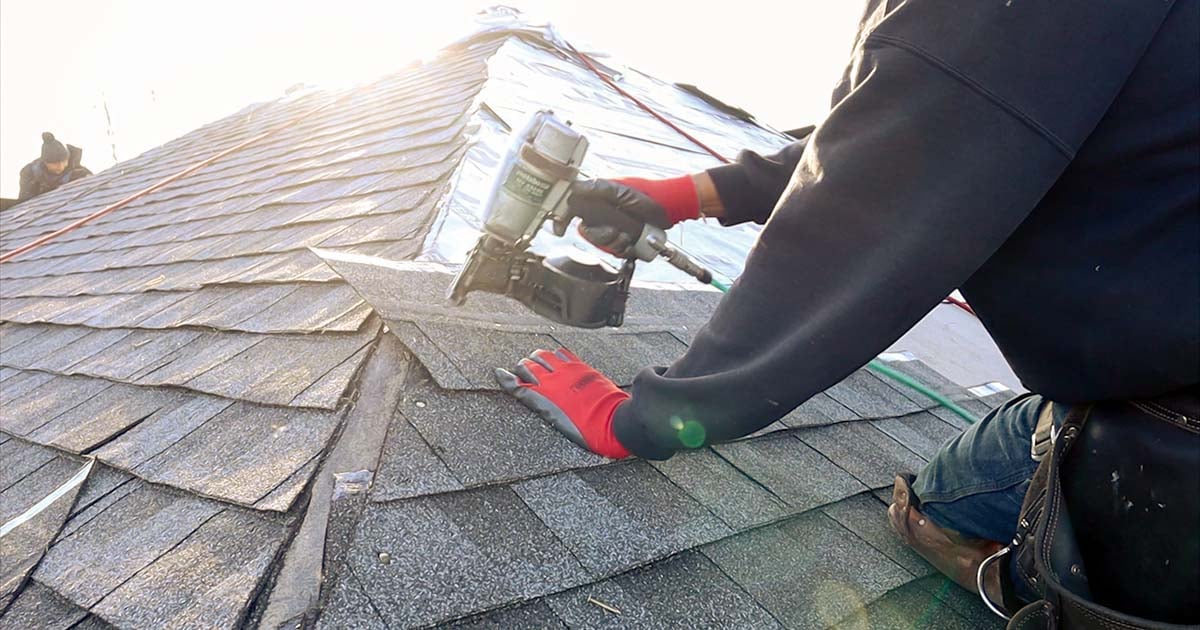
x=530, y=187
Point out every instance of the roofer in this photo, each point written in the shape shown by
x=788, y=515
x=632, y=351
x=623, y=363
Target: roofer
x=1044, y=157
x=57, y=165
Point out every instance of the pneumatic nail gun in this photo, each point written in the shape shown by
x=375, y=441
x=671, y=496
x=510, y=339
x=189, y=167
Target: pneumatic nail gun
x=531, y=186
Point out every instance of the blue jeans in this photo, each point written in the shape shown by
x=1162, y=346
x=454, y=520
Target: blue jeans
x=976, y=483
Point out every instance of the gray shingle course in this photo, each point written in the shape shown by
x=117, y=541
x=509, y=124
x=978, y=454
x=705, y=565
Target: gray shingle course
x=20, y=384
x=863, y=450
x=923, y=433
x=868, y=396
x=487, y=437
x=908, y=606
x=207, y=580
x=53, y=398
x=24, y=545
x=333, y=386
x=617, y=517
x=532, y=615
x=808, y=572
x=685, y=591
x=63, y=358
x=311, y=308
x=128, y=536
x=739, y=501
x=244, y=452
x=432, y=357
x=817, y=411
x=99, y=418
x=476, y=352
x=965, y=603
x=621, y=356
x=452, y=555
x=408, y=467
x=41, y=346
x=288, y=491
x=34, y=486
x=203, y=353
x=866, y=516
x=20, y=459
x=13, y=335
x=137, y=353
x=353, y=609
x=38, y=606
x=791, y=470
x=161, y=430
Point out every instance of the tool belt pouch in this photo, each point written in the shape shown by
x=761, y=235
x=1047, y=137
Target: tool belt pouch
x=1108, y=535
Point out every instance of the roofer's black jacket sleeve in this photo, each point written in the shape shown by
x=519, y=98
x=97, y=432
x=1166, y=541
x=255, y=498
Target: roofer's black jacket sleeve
x=952, y=121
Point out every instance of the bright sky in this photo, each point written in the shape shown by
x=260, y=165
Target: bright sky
x=123, y=76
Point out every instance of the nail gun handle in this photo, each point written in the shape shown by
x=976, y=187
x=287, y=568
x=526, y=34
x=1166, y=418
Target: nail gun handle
x=653, y=242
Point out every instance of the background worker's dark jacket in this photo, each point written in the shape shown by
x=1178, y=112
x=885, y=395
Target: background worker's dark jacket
x=36, y=179
x=1042, y=156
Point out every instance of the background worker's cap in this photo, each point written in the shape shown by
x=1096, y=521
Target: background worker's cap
x=53, y=150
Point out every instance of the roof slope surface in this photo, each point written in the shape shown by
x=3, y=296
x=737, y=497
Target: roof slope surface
x=274, y=444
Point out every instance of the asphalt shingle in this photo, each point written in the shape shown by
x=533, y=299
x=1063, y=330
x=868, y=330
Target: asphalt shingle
x=866, y=516
x=908, y=606
x=487, y=437
x=621, y=356
x=685, y=591
x=211, y=576
x=438, y=558
x=57, y=482
x=128, y=536
x=864, y=451
x=739, y=501
x=791, y=470
x=630, y=502
x=923, y=433
x=808, y=572
x=476, y=352
x=868, y=396
x=408, y=466
x=817, y=411
x=103, y=416
x=244, y=452
x=40, y=607
x=50, y=400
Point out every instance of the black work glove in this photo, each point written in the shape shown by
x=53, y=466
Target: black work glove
x=615, y=211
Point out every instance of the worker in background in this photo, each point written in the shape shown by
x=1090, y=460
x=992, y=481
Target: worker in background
x=1042, y=157
x=57, y=165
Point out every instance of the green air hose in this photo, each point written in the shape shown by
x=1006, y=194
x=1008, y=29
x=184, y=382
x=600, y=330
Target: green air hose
x=880, y=367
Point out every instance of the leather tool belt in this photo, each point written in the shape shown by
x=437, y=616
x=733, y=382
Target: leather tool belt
x=1109, y=535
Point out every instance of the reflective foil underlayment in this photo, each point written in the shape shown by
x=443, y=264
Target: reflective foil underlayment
x=531, y=72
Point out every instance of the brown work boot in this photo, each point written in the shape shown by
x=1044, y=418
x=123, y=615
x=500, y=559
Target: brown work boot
x=954, y=555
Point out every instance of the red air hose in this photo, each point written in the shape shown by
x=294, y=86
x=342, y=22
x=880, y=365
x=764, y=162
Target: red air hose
x=587, y=61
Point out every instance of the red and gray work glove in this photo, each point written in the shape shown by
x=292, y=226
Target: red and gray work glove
x=571, y=395
x=615, y=211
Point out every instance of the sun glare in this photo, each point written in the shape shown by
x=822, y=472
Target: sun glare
x=121, y=77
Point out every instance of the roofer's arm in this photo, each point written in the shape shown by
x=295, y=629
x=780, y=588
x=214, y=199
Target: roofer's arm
x=614, y=211
x=931, y=159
